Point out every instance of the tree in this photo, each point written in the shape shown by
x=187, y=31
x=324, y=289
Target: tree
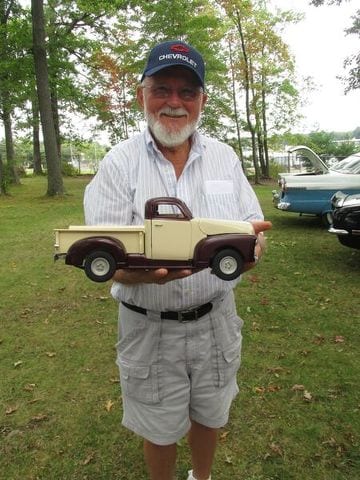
x=263, y=68
x=9, y=77
x=55, y=182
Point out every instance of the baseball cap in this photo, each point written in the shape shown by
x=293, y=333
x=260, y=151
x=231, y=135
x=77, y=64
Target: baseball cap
x=175, y=53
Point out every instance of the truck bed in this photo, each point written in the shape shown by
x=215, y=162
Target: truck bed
x=132, y=236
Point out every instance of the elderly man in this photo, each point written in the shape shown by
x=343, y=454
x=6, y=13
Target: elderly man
x=178, y=376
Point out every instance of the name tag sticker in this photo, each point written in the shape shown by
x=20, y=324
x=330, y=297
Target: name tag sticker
x=213, y=187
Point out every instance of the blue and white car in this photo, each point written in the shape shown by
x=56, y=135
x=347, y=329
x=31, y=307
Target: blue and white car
x=310, y=192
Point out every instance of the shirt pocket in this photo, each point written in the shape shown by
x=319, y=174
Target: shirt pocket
x=221, y=205
x=139, y=381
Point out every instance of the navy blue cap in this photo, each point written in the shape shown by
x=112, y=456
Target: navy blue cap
x=175, y=53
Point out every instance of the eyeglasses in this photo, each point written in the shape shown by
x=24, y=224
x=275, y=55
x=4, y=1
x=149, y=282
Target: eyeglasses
x=187, y=94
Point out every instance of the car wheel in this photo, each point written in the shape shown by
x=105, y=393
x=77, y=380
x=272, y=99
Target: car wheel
x=100, y=266
x=327, y=219
x=227, y=264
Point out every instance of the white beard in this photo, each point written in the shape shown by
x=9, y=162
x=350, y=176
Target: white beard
x=165, y=136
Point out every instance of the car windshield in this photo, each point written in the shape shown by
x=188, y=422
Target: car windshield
x=349, y=165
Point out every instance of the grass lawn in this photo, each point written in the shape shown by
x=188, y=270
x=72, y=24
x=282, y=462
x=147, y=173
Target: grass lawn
x=297, y=414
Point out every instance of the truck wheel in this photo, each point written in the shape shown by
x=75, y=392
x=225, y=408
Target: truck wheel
x=227, y=264
x=100, y=266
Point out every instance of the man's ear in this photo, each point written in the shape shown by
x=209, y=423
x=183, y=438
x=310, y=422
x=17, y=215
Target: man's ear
x=140, y=96
x=204, y=100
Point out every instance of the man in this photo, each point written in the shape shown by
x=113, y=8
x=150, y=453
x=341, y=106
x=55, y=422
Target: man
x=178, y=372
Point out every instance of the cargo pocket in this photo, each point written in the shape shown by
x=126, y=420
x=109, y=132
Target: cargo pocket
x=139, y=381
x=228, y=363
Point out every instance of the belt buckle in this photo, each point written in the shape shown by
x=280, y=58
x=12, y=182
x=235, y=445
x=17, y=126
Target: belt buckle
x=185, y=312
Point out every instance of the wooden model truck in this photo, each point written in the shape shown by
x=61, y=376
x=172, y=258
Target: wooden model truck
x=170, y=238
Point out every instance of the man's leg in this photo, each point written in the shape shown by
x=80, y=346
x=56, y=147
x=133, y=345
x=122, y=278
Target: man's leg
x=160, y=460
x=202, y=441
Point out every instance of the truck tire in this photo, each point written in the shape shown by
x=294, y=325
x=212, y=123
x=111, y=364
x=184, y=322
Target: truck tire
x=227, y=264
x=100, y=266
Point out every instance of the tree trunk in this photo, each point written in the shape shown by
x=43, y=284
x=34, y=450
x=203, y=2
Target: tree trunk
x=36, y=139
x=237, y=122
x=10, y=152
x=3, y=190
x=55, y=181
x=265, y=134
x=55, y=112
x=6, y=107
x=247, y=98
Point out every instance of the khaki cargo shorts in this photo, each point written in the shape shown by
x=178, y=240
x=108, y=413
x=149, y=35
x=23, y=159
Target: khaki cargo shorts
x=173, y=372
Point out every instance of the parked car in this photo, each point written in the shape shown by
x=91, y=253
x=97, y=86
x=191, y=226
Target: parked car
x=346, y=219
x=310, y=191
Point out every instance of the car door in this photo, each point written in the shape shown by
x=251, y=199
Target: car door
x=170, y=235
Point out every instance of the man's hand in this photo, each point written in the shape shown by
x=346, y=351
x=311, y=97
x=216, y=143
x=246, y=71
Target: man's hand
x=159, y=275
x=260, y=226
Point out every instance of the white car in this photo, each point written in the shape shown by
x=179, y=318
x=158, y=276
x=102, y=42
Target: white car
x=310, y=191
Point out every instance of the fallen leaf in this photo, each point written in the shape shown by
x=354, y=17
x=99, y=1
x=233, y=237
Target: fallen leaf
x=255, y=326
x=29, y=387
x=228, y=460
x=114, y=380
x=308, y=396
x=89, y=458
x=50, y=354
x=41, y=417
x=260, y=389
x=339, y=339
x=109, y=404
x=18, y=363
x=10, y=410
x=298, y=388
x=275, y=369
x=273, y=388
x=223, y=435
x=275, y=448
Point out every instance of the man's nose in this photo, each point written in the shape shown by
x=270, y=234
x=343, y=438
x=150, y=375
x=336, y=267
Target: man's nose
x=174, y=98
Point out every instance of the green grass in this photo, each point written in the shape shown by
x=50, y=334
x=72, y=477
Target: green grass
x=57, y=370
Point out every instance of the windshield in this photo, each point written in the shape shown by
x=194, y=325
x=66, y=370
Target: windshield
x=349, y=165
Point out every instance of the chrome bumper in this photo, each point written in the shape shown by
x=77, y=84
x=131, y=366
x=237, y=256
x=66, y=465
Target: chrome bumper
x=276, y=196
x=340, y=231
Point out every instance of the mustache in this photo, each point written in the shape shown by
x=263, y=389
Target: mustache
x=173, y=112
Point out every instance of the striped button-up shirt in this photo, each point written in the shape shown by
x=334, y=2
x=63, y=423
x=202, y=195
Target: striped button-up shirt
x=212, y=185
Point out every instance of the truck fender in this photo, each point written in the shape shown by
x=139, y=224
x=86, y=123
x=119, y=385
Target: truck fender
x=207, y=248
x=81, y=248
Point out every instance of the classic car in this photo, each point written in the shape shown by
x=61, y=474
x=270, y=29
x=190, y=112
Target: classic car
x=346, y=219
x=310, y=191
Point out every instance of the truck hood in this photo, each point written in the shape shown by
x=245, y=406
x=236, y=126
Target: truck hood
x=218, y=227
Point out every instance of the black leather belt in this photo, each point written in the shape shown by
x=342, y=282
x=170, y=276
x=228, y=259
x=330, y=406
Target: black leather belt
x=183, y=316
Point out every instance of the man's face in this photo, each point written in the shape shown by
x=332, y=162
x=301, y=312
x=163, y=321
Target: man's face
x=172, y=102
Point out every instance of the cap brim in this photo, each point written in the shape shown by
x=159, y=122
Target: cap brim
x=157, y=69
